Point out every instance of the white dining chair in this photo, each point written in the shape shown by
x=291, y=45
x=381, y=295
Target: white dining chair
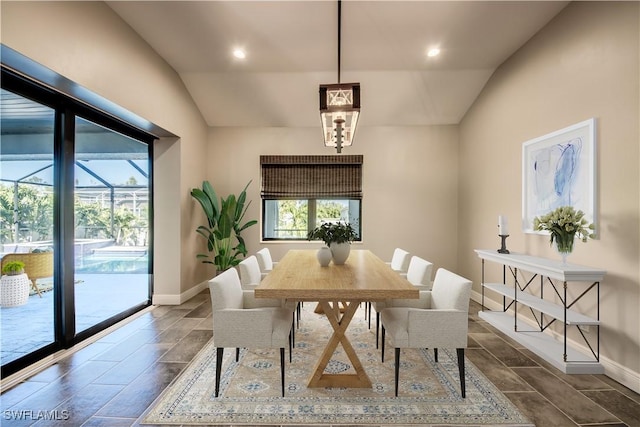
x=439, y=319
x=400, y=260
x=266, y=264
x=399, y=263
x=241, y=320
x=265, y=261
x=250, y=275
x=419, y=275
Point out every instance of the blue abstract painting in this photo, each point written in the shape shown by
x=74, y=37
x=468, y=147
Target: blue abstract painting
x=558, y=170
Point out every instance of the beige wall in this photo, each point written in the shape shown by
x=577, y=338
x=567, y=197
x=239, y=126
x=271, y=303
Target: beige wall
x=89, y=44
x=409, y=183
x=583, y=64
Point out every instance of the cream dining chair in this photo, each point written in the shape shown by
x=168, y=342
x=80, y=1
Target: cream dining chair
x=241, y=320
x=439, y=319
x=266, y=264
x=400, y=260
x=419, y=275
x=250, y=275
x=265, y=261
x=399, y=263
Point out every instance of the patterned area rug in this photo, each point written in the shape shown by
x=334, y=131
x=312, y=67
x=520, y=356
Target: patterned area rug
x=429, y=392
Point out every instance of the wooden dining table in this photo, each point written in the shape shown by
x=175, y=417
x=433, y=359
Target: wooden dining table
x=298, y=276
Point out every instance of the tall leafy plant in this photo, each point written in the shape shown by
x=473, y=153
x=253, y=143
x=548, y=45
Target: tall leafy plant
x=224, y=226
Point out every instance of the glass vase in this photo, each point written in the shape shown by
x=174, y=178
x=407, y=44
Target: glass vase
x=564, y=244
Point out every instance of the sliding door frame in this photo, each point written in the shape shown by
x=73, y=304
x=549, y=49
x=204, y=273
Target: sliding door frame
x=31, y=80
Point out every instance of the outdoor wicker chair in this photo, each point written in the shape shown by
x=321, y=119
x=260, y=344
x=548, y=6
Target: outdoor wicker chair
x=36, y=265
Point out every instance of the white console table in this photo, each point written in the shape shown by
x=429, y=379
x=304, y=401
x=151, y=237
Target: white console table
x=557, y=352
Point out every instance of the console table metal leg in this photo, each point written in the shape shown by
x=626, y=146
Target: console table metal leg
x=598, y=326
x=482, y=308
x=541, y=297
x=515, y=305
x=564, y=355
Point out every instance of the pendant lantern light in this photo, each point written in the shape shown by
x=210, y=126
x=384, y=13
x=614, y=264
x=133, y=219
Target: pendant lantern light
x=339, y=106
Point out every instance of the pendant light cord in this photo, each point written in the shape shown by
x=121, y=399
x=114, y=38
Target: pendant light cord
x=339, y=34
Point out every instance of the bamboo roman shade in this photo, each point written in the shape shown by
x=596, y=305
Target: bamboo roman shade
x=311, y=177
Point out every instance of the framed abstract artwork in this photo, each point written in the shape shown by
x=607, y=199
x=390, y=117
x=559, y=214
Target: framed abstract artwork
x=559, y=169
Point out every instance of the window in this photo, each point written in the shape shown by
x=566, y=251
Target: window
x=302, y=192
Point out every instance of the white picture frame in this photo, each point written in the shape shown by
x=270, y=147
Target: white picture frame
x=559, y=169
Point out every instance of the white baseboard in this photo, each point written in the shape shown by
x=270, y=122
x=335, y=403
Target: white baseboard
x=177, y=299
x=612, y=369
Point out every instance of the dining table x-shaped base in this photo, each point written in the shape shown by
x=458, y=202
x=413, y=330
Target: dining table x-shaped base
x=339, y=320
x=339, y=290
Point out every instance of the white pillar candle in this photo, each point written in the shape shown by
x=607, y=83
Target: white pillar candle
x=503, y=227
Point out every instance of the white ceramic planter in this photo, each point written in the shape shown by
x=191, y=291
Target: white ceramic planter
x=14, y=290
x=340, y=252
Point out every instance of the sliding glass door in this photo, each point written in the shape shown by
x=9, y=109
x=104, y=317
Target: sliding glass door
x=111, y=210
x=26, y=227
x=75, y=193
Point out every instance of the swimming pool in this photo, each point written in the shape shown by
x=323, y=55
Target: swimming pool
x=110, y=264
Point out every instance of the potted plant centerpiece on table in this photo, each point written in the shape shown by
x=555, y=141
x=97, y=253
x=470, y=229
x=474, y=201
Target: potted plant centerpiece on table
x=15, y=284
x=338, y=237
x=563, y=224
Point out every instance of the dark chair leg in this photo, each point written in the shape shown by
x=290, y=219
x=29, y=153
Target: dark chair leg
x=219, y=353
x=290, y=345
x=460, y=352
x=383, y=343
x=369, y=309
x=237, y=354
x=397, y=368
x=435, y=354
x=282, y=368
x=293, y=330
x=299, y=308
x=377, y=327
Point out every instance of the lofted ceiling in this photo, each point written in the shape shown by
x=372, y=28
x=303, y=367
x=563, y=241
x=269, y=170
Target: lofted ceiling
x=292, y=47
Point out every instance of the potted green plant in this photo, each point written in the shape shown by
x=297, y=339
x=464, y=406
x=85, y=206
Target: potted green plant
x=15, y=284
x=337, y=236
x=13, y=268
x=224, y=226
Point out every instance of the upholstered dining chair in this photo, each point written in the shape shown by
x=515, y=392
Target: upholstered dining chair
x=439, y=319
x=419, y=275
x=266, y=264
x=250, y=275
x=400, y=263
x=241, y=320
x=400, y=260
x=265, y=261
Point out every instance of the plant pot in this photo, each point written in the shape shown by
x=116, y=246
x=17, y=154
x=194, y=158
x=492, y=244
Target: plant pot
x=340, y=252
x=324, y=256
x=14, y=290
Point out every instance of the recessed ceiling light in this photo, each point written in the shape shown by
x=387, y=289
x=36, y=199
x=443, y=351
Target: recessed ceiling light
x=239, y=53
x=433, y=52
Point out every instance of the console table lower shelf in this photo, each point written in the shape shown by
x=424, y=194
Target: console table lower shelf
x=543, y=344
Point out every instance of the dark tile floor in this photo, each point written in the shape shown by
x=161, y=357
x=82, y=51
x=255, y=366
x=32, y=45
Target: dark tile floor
x=113, y=381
